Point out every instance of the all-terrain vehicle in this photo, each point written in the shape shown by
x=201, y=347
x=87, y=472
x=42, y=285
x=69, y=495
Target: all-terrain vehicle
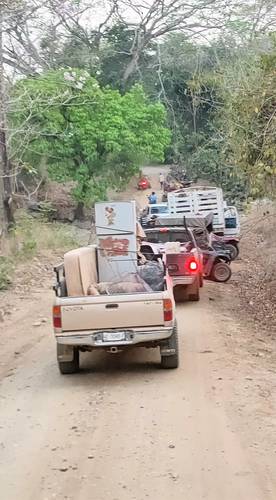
x=216, y=262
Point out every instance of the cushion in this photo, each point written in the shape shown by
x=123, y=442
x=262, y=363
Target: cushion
x=80, y=267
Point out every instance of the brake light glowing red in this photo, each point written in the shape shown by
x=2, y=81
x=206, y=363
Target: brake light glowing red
x=193, y=265
x=168, y=310
x=57, y=317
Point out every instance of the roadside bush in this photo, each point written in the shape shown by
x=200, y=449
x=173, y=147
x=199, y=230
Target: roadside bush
x=29, y=245
x=34, y=237
x=5, y=270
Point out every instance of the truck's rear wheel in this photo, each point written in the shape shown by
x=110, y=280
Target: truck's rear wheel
x=67, y=367
x=171, y=361
x=180, y=293
x=193, y=291
x=233, y=249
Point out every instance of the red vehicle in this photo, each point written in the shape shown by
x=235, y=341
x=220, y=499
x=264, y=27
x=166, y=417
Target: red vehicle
x=184, y=267
x=144, y=183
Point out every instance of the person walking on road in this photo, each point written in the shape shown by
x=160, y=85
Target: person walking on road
x=152, y=198
x=161, y=180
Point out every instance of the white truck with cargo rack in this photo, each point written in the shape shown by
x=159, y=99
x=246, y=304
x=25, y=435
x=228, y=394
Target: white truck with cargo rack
x=199, y=200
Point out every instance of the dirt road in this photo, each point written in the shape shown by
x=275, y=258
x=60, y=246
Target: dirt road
x=123, y=429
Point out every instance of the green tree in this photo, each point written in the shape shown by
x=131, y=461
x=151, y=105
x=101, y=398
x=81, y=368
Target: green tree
x=246, y=119
x=92, y=135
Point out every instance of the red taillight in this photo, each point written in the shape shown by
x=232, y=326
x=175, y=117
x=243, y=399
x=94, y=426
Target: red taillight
x=57, y=316
x=168, y=310
x=163, y=230
x=193, y=265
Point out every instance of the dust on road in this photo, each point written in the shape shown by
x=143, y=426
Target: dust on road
x=124, y=429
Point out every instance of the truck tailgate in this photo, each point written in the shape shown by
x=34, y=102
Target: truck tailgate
x=117, y=311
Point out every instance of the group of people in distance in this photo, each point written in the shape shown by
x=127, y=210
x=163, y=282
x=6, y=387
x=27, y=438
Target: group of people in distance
x=153, y=196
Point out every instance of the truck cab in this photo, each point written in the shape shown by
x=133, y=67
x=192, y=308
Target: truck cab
x=232, y=221
x=153, y=211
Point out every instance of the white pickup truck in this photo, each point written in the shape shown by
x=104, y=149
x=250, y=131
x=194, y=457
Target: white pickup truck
x=152, y=211
x=111, y=322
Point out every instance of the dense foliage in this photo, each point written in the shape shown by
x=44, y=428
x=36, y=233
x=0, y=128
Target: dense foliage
x=92, y=135
x=220, y=101
x=221, y=105
x=247, y=118
x=146, y=87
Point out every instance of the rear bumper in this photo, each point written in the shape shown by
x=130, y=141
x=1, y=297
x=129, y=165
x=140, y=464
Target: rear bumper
x=183, y=280
x=133, y=337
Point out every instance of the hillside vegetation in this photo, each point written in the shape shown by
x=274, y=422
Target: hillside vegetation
x=159, y=81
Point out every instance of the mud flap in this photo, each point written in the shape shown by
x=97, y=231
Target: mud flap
x=65, y=353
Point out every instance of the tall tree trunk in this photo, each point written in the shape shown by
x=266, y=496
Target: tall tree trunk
x=6, y=208
x=3, y=221
x=131, y=67
x=79, y=212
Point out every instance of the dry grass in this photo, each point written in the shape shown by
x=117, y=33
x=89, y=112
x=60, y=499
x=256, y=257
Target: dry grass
x=257, y=279
x=32, y=238
x=259, y=240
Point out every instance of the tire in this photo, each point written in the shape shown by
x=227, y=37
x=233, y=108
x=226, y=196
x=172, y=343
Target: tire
x=234, y=250
x=193, y=291
x=69, y=367
x=201, y=281
x=180, y=293
x=171, y=361
x=221, y=272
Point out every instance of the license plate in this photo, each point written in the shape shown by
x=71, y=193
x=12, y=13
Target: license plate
x=114, y=336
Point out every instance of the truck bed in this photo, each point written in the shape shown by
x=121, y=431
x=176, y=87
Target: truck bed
x=116, y=311
x=198, y=200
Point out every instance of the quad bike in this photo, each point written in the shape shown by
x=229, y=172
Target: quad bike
x=143, y=183
x=226, y=243
x=216, y=265
x=216, y=262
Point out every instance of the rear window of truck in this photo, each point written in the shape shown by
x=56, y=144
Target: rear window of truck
x=171, y=236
